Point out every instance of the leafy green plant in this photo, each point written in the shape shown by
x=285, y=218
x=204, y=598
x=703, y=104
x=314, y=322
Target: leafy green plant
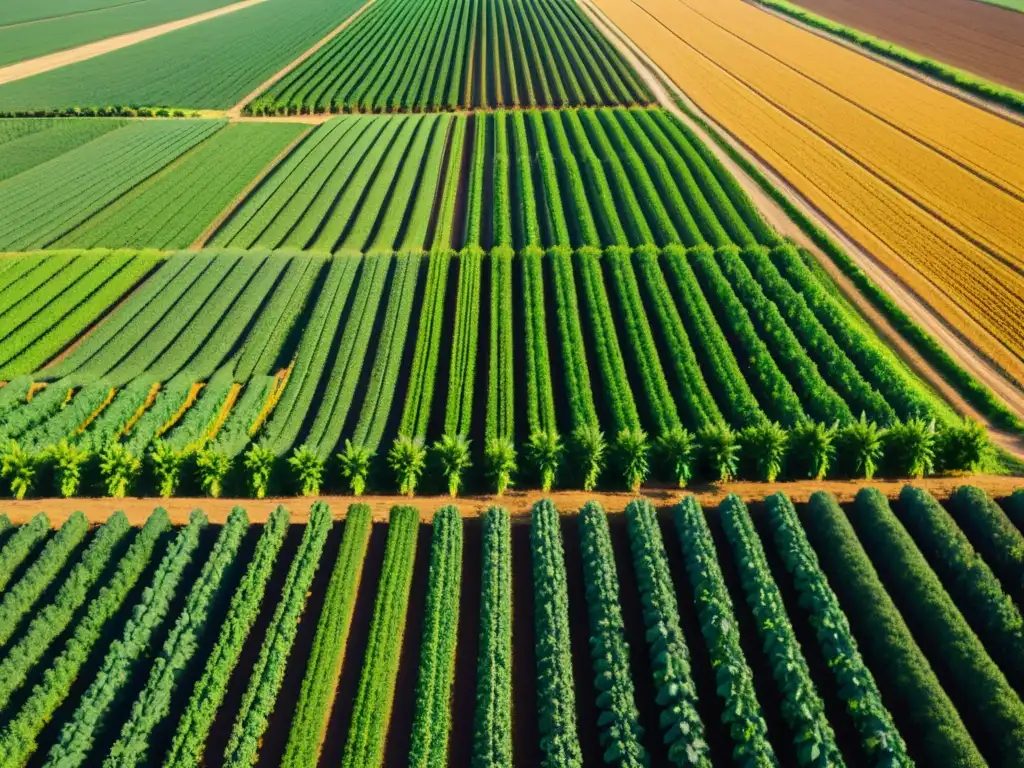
x=166, y=465
x=355, y=465
x=308, y=468
x=259, y=463
x=633, y=451
x=212, y=466
x=544, y=453
x=911, y=447
x=677, y=451
x=765, y=449
x=962, y=448
x=68, y=460
x=812, y=449
x=452, y=453
x=591, y=451
x=120, y=468
x=719, y=451
x=862, y=444
x=407, y=458
x=20, y=466
x=500, y=460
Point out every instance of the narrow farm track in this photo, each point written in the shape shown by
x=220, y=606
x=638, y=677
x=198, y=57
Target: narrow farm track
x=518, y=503
x=660, y=84
x=37, y=66
x=236, y=111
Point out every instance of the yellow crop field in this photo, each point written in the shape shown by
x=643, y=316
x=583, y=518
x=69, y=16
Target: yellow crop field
x=931, y=186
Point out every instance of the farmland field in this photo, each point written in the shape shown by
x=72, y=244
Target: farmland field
x=877, y=630
x=893, y=163
x=174, y=207
x=211, y=65
x=978, y=38
x=44, y=142
x=44, y=203
x=36, y=29
x=468, y=53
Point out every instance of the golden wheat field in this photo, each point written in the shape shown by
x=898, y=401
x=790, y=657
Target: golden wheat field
x=932, y=186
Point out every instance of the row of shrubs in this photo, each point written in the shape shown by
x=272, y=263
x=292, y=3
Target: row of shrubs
x=115, y=111
x=587, y=459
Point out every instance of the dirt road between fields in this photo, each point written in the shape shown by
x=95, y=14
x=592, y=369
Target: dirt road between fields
x=37, y=66
x=659, y=84
x=978, y=37
x=518, y=503
x=236, y=111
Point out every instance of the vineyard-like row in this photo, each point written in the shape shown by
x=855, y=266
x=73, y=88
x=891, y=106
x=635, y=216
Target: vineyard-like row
x=807, y=635
x=538, y=178
x=465, y=53
x=294, y=372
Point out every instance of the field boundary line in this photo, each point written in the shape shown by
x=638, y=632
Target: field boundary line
x=52, y=61
x=236, y=111
x=242, y=196
x=518, y=502
x=906, y=298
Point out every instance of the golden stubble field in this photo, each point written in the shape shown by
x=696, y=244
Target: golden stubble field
x=931, y=186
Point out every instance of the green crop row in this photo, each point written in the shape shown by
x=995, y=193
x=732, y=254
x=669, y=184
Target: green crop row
x=153, y=703
x=675, y=693
x=21, y=545
x=619, y=722
x=492, y=723
x=432, y=717
x=189, y=740
x=802, y=707
x=994, y=535
x=18, y=741
x=556, y=698
x=735, y=681
x=893, y=654
x=501, y=363
x=260, y=695
x=879, y=737
x=990, y=611
x=78, y=735
x=371, y=711
x=23, y=594
x=465, y=337
x=51, y=620
x=313, y=710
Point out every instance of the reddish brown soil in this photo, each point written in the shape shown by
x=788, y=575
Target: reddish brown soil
x=518, y=503
x=978, y=37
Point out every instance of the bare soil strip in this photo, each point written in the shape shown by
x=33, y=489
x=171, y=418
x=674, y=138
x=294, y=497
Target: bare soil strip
x=233, y=205
x=922, y=314
x=975, y=101
x=236, y=111
x=42, y=64
x=518, y=503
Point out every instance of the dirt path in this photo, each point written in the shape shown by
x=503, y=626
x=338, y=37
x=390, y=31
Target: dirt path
x=236, y=111
x=42, y=64
x=241, y=196
x=947, y=88
x=909, y=302
x=518, y=503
